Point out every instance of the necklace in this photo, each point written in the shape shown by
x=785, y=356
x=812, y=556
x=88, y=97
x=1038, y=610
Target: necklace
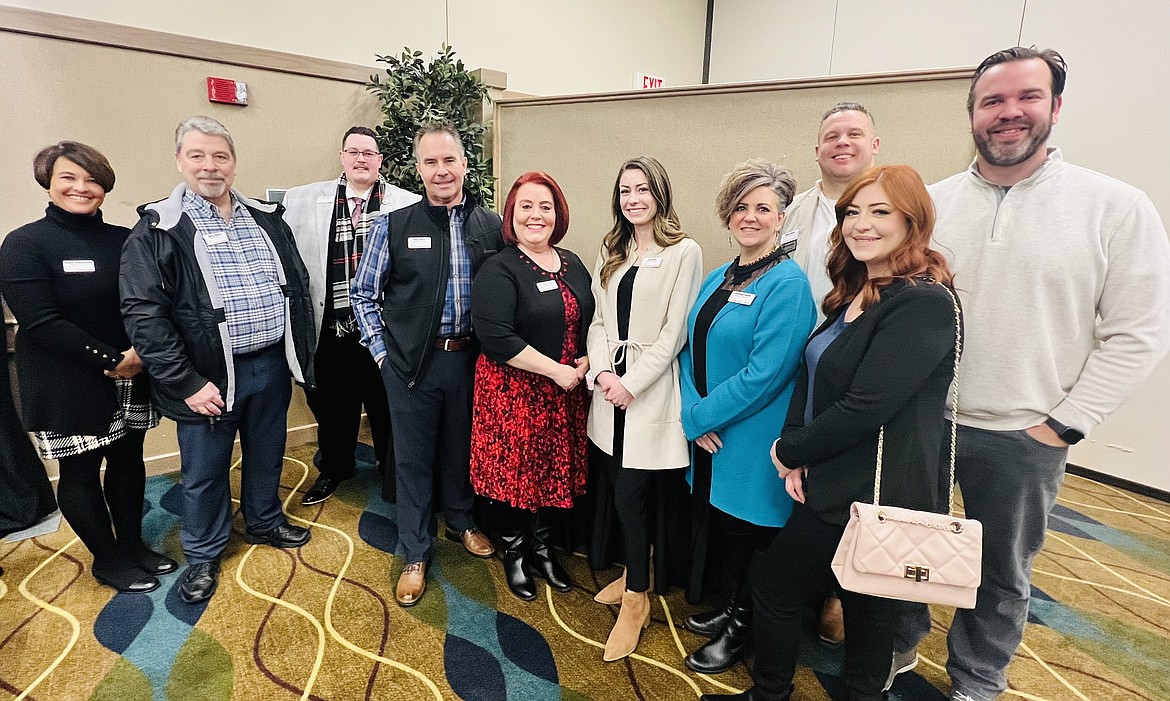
x=548, y=260
x=760, y=258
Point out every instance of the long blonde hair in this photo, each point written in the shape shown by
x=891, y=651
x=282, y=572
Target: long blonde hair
x=619, y=242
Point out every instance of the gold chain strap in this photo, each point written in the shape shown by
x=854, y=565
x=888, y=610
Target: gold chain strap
x=877, y=480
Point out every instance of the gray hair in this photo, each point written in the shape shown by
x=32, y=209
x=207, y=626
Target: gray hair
x=749, y=175
x=438, y=128
x=203, y=125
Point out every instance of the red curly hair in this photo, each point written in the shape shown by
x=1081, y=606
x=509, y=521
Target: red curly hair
x=906, y=193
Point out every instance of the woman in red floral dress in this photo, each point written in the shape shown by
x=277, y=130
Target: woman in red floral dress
x=531, y=306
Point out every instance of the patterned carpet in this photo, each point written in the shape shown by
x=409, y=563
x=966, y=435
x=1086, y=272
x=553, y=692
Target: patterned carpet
x=321, y=623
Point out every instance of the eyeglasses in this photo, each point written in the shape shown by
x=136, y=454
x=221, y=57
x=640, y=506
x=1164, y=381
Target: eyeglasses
x=368, y=155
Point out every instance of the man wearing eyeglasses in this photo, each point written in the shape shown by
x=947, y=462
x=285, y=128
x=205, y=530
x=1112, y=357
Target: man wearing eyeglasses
x=329, y=221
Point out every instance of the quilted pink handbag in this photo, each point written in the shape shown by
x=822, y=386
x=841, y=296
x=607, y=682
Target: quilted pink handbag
x=921, y=556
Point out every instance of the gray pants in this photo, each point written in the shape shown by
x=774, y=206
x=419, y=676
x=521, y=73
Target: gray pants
x=1009, y=483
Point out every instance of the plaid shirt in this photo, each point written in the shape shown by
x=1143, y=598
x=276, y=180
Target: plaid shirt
x=456, y=319
x=245, y=271
x=370, y=279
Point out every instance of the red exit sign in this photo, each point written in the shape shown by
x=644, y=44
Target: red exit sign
x=645, y=81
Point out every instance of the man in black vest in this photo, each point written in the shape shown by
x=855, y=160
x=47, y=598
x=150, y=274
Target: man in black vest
x=412, y=299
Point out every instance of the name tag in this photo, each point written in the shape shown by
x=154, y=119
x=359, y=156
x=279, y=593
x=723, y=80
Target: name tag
x=418, y=242
x=547, y=285
x=78, y=266
x=788, y=241
x=651, y=262
x=744, y=298
x=215, y=238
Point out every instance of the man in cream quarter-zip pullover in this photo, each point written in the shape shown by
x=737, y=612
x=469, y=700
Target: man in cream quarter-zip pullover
x=1064, y=276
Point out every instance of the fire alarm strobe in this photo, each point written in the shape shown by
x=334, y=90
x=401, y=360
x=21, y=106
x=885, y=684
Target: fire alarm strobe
x=232, y=92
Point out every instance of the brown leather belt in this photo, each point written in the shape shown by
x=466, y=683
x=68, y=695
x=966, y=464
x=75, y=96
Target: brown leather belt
x=453, y=344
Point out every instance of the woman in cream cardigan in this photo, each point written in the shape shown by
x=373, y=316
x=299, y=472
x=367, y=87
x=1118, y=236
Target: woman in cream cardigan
x=646, y=279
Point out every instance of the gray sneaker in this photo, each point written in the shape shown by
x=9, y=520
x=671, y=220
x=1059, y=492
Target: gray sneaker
x=957, y=695
x=902, y=662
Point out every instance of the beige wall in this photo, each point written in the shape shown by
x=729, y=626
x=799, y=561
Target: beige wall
x=127, y=104
x=1113, y=114
x=545, y=46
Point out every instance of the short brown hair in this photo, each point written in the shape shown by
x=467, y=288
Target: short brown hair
x=438, y=128
x=1056, y=65
x=87, y=157
x=749, y=175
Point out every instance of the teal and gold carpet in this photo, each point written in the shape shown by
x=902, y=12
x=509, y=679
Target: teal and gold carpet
x=321, y=622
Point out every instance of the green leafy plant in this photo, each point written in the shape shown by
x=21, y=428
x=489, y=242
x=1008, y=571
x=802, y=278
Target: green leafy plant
x=413, y=93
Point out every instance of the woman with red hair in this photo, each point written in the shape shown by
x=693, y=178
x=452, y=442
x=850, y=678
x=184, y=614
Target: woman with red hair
x=531, y=306
x=883, y=359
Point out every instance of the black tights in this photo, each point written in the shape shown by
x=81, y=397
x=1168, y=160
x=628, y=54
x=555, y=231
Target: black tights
x=108, y=521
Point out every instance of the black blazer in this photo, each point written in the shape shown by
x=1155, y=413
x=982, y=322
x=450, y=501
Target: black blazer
x=60, y=278
x=892, y=367
x=510, y=312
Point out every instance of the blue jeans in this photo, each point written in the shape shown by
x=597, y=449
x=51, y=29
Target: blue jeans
x=1009, y=483
x=263, y=391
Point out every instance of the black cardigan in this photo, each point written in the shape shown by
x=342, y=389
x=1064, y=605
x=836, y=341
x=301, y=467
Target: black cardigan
x=891, y=366
x=70, y=324
x=508, y=312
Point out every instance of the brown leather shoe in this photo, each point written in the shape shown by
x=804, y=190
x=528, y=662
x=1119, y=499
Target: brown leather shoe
x=411, y=584
x=474, y=541
x=627, y=630
x=831, y=628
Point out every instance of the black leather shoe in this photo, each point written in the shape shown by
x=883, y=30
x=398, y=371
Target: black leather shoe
x=709, y=623
x=515, y=554
x=285, y=535
x=200, y=582
x=130, y=581
x=321, y=490
x=721, y=652
x=543, y=560
x=156, y=563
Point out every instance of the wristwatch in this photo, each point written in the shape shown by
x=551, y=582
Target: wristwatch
x=1068, y=434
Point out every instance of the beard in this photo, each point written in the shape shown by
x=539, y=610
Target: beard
x=1007, y=155
x=211, y=189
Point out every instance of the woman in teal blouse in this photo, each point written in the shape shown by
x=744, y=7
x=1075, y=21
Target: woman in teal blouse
x=746, y=332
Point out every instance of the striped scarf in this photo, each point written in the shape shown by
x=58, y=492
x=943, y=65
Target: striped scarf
x=345, y=251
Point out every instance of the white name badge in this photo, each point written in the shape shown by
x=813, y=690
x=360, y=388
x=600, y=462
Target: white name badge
x=547, y=285
x=789, y=237
x=418, y=242
x=78, y=266
x=744, y=298
x=215, y=238
x=651, y=262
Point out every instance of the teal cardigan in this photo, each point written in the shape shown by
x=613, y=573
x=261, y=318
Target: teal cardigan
x=753, y=355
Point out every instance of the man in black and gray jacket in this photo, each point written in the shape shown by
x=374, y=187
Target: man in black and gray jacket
x=216, y=300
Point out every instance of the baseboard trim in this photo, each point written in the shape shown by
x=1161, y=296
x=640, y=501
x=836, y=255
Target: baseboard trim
x=1136, y=488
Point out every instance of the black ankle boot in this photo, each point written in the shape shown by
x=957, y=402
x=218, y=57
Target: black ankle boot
x=515, y=556
x=709, y=623
x=543, y=560
x=749, y=695
x=725, y=649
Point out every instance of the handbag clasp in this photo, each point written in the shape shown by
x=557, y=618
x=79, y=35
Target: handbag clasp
x=918, y=573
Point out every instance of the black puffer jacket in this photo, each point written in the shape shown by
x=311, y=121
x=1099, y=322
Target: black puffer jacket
x=167, y=305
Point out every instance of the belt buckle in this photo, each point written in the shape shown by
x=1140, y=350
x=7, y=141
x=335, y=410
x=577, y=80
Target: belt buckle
x=446, y=343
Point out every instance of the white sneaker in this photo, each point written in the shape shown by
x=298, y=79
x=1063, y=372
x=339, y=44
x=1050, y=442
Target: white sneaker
x=960, y=696
x=902, y=662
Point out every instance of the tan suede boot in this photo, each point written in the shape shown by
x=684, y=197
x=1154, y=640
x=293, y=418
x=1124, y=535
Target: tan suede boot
x=627, y=630
x=611, y=594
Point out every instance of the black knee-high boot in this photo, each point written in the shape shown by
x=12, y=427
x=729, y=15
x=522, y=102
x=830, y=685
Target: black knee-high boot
x=543, y=560
x=513, y=528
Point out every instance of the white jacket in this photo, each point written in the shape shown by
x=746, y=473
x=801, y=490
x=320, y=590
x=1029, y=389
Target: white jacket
x=308, y=210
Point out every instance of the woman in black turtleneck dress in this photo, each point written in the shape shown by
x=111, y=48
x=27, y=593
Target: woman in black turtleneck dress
x=82, y=392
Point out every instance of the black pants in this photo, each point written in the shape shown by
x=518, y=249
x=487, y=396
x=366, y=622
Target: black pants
x=744, y=542
x=109, y=520
x=794, y=567
x=347, y=379
x=435, y=411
